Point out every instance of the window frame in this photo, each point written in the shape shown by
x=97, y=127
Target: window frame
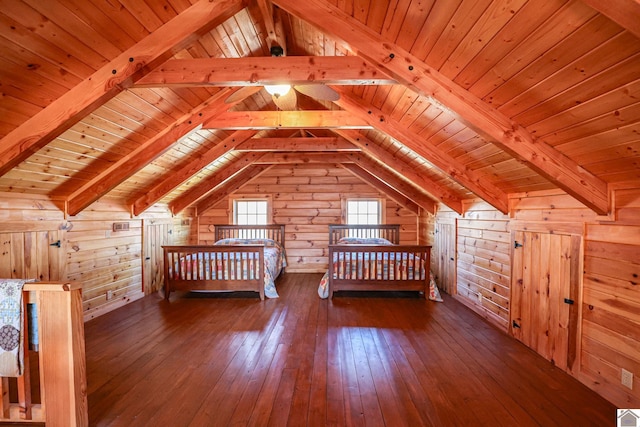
x=381, y=207
x=233, y=203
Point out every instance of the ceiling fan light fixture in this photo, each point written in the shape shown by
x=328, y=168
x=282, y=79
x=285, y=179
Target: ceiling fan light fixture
x=277, y=90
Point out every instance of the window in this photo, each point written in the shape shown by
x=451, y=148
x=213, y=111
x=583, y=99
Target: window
x=364, y=211
x=250, y=212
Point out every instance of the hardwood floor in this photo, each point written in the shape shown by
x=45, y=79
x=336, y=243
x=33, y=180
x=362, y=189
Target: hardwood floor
x=299, y=360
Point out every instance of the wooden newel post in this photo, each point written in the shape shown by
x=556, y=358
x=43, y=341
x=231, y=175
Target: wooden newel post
x=63, y=373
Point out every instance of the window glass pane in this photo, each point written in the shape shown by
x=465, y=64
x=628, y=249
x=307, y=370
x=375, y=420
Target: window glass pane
x=363, y=212
x=252, y=208
x=251, y=212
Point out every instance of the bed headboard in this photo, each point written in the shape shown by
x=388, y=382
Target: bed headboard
x=391, y=232
x=269, y=231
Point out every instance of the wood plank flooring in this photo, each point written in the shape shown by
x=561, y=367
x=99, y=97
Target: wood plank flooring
x=301, y=361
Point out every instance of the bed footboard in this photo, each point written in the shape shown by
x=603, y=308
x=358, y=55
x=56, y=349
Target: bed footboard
x=214, y=268
x=379, y=268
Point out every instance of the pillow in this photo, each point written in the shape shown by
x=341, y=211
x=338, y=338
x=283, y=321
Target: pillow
x=364, y=241
x=237, y=241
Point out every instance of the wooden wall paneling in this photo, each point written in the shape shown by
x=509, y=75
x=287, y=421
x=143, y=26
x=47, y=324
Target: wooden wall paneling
x=611, y=303
x=483, y=267
x=5, y=256
x=426, y=228
x=107, y=263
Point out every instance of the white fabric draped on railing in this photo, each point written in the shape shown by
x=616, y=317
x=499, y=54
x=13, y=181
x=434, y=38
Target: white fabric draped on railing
x=11, y=327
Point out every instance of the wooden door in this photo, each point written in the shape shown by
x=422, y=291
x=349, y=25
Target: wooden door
x=38, y=254
x=156, y=234
x=544, y=293
x=444, y=256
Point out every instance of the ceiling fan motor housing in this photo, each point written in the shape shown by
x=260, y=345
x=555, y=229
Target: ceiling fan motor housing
x=276, y=50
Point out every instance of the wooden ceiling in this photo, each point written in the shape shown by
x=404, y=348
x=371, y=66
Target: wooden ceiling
x=440, y=100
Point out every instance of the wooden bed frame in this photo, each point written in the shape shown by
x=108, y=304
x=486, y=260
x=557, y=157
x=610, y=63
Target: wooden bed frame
x=203, y=282
x=415, y=253
x=391, y=232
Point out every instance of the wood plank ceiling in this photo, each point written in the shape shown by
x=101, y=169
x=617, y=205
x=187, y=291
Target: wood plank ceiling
x=440, y=100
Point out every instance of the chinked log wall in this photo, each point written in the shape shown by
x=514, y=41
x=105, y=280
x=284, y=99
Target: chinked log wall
x=608, y=328
x=36, y=241
x=307, y=198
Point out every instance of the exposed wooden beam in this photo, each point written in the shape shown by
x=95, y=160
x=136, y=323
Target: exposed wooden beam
x=177, y=177
x=297, y=144
x=306, y=157
x=112, y=78
x=383, y=187
x=437, y=191
x=261, y=70
x=200, y=191
x=228, y=187
x=625, y=13
x=385, y=175
x=473, y=181
x=274, y=36
x=265, y=120
x=82, y=196
x=477, y=114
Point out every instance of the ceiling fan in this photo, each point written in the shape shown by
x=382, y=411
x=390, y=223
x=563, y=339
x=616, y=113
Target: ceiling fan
x=284, y=95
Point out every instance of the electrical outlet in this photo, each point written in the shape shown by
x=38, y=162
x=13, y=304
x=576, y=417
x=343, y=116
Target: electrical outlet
x=109, y=294
x=627, y=379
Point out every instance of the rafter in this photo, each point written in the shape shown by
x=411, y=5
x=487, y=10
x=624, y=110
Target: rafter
x=112, y=78
x=261, y=70
x=385, y=175
x=297, y=144
x=265, y=120
x=437, y=191
x=228, y=187
x=625, y=13
x=275, y=34
x=473, y=181
x=383, y=187
x=175, y=178
x=200, y=191
x=103, y=182
x=480, y=116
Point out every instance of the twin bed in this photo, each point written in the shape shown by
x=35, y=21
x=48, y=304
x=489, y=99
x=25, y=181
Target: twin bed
x=243, y=258
x=250, y=258
x=370, y=258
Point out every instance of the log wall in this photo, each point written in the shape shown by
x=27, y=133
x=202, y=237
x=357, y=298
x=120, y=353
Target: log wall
x=608, y=328
x=482, y=259
x=37, y=241
x=307, y=198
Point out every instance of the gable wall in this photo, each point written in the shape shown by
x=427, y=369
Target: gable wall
x=609, y=313
x=307, y=198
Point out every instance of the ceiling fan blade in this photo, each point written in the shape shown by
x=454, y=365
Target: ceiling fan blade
x=242, y=94
x=286, y=102
x=318, y=91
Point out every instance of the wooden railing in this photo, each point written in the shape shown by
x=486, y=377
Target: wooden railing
x=61, y=360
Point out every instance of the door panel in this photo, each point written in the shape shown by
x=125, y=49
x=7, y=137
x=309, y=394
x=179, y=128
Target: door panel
x=155, y=236
x=445, y=257
x=545, y=283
